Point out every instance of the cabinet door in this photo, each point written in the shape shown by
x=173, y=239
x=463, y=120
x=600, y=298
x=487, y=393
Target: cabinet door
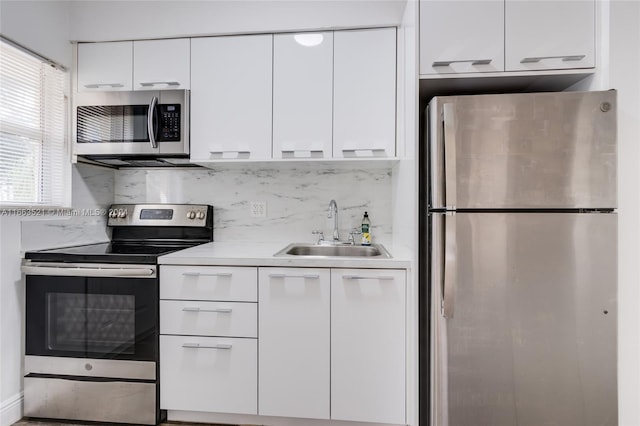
x=368, y=345
x=208, y=374
x=302, y=95
x=161, y=64
x=294, y=342
x=231, y=100
x=542, y=35
x=105, y=66
x=461, y=36
x=364, y=93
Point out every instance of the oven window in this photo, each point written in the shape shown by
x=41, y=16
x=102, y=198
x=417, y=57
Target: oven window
x=99, y=323
x=92, y=317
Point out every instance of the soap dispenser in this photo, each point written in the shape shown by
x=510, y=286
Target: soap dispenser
x=366, y=230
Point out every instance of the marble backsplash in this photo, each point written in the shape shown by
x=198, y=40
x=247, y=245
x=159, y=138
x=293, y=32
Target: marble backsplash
x=297, y=198
x=92, y=193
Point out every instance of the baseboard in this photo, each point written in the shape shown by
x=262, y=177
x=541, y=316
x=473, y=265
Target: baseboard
x=11, y=410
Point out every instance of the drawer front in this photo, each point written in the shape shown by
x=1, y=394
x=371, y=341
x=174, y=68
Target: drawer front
x=229, y=319
x=209, y=283
x=209, y=374
x=99, y=401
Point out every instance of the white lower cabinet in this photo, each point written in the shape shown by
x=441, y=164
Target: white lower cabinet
x=368, y=345
x=294, y=342
x=208, y=339
x=208, y=374
x=319, y=343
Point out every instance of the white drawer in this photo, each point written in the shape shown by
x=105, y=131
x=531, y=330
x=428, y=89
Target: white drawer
x=229, y=319
x=221, y=375
x=237, y=284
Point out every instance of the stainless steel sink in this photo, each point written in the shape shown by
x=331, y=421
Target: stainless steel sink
x=340, y=250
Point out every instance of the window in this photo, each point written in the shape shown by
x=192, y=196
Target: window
x=33, y=130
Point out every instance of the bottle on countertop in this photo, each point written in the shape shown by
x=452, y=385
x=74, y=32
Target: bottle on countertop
x=366, y=230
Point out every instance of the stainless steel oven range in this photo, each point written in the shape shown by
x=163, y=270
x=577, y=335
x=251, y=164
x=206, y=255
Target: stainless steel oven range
x=92, y=312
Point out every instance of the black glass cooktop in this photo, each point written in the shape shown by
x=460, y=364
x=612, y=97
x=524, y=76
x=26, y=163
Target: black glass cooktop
x=129, y=252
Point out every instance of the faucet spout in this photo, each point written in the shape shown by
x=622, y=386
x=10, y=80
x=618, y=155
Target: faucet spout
x=333, y=213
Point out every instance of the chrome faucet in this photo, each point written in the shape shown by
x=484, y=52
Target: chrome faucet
x=333, y=213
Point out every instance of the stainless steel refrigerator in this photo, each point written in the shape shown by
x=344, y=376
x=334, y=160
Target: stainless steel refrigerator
x=520, y=261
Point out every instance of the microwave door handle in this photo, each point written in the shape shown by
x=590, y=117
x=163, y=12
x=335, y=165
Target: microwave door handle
x=151, y=118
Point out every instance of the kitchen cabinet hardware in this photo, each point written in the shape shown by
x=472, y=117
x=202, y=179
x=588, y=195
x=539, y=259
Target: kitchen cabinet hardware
x=459, y=61
x=160, y=83
x=230, y=153
x=366, y=277
x=101, y=85
x=211, y=274
x=300, y=153
x=217, y=310
x=199, y=346
x=375, y=152
x=310, y=276
x=564, y=58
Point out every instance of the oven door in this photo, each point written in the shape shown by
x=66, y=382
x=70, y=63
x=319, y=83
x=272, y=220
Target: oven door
x=99, y=312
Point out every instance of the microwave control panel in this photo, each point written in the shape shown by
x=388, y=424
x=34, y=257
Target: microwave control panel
x=169, y=122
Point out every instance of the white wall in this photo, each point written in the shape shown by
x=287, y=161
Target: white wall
x=624, y=72
x=92, y=187
x=127, y=20
x=42, y=26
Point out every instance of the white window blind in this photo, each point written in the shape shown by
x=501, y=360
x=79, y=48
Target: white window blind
x=33, y=130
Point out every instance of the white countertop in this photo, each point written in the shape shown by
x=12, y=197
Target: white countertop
x=261, y=254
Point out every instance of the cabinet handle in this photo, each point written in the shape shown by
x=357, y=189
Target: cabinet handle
x=99, y=85
x=311, y=276
x=473, y=62
x=199, y=346
x=217, y=310
x=376, y=152
x=158, y=83
x=230, y=154
x=535, y=59
x=212, y=274
x=300, y=153
x=362, y=277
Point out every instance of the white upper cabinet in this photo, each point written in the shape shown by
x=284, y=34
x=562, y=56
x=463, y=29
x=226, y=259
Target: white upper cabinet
x=364, y=90
x=231, y=97
x=302, y=95
x=544, y=35
x=461, y=36
x=161, y=64
x=105, y=66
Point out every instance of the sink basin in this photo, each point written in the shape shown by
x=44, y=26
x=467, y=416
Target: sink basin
x=307, y=250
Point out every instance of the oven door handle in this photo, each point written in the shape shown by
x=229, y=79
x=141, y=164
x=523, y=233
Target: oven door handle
x=78, y=271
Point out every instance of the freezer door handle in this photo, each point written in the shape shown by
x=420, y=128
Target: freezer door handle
x=450, y=265
x=449, y=145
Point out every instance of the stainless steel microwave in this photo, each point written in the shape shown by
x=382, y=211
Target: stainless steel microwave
x=132, y=124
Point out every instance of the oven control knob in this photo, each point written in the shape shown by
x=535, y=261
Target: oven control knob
x=191, y=215
x=88, y=367
x=122, y=214
x=200, y=215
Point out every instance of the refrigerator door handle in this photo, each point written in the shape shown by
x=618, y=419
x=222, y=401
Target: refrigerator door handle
x=449, y=144
x=450, y=265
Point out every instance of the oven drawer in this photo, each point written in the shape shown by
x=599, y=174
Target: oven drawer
x=209, y=374
x=99, y=401
x=239, y=284
x=229, y=319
